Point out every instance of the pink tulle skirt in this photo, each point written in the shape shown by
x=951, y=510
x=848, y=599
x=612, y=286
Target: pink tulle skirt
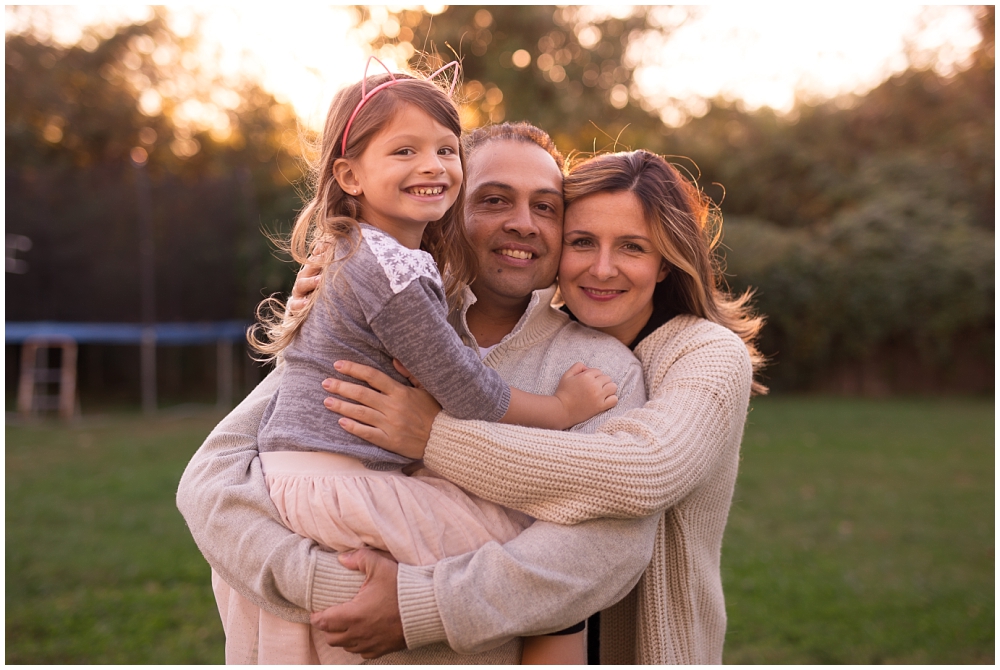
x=333, y=499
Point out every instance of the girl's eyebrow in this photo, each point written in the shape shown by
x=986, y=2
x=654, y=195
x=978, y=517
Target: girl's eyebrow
x=413, y=137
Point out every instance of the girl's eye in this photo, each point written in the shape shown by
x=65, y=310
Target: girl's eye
x=405, y=152
x=446, y=151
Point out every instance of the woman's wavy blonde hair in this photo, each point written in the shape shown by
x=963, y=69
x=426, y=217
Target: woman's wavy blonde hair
x=686, y=228
x=329, y=219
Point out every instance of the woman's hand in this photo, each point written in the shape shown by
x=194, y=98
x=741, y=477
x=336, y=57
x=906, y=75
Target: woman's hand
x=390, y=415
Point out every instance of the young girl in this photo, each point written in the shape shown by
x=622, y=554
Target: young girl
x=388, y=205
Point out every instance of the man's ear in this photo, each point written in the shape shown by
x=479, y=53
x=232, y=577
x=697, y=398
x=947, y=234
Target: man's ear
x=664, y=270
x=344, y=173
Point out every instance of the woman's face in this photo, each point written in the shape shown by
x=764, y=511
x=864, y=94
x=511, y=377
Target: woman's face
x=609, y=265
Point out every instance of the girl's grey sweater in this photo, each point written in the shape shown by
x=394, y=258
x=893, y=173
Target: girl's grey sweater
x=385, y=301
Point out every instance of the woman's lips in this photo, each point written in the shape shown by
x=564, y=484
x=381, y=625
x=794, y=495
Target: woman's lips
x=601, y=295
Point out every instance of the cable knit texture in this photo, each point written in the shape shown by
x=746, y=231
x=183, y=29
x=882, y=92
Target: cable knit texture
x=676, y=457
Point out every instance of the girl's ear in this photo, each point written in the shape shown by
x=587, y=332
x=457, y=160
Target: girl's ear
x=346, y=177
x=664, y=270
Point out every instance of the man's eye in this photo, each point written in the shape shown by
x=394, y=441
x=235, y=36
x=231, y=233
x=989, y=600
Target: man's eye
x=494, y=200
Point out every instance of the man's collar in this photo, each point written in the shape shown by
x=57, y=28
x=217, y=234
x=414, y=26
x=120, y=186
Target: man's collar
x=539, y=298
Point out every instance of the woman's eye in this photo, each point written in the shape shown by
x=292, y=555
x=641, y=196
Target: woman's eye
x=634, y=247
x=580, y=242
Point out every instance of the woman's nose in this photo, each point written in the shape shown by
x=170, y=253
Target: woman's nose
x=604, y=266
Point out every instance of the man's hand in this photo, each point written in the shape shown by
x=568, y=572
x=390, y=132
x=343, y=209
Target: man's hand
x=369, y=624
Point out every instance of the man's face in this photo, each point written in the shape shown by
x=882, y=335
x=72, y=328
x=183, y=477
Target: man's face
x=514, y=216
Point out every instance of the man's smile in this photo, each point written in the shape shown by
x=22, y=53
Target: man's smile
x=517, y=253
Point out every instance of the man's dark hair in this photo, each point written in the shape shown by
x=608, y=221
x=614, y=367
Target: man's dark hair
x=521, y=131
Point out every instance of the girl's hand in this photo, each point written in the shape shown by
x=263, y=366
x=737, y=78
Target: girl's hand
x=390, y=415
x=585, y=392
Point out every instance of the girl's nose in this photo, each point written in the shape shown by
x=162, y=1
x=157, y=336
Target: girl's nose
x=432, y=165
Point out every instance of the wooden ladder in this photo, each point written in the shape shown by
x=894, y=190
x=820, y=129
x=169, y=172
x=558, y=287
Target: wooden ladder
x=29, y=401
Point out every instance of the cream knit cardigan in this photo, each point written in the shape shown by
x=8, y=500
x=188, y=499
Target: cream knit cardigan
x=676, y=457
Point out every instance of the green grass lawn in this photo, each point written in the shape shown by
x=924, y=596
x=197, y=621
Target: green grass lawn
x=100, y=566
x=861, y=532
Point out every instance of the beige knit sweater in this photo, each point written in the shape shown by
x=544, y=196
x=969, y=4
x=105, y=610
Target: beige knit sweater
x=676, y=457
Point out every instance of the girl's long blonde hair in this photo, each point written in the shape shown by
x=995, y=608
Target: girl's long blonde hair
x=329, y=219
x=686, y=228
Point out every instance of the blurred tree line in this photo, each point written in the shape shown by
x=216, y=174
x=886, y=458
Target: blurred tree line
x=91, y=127
x=866, y=227
x=84, y=124
x=865, y=223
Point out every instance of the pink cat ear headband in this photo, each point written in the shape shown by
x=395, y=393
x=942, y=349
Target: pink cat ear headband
x=366, y=95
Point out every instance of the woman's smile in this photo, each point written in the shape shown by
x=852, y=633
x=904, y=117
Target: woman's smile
x=601, y=294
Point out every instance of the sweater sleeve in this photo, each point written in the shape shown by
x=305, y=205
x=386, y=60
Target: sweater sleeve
x=546, y=579
x=698, y=376
x=223, y=498
x=413, y=327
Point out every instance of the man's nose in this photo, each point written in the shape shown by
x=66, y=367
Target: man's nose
x=521, y=222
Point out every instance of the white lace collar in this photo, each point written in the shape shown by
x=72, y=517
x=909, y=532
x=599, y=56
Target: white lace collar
x=401, y=265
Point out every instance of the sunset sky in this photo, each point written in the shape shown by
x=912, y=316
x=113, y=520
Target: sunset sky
x=764, y=55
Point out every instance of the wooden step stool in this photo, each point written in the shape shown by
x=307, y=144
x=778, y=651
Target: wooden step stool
x=33, y=375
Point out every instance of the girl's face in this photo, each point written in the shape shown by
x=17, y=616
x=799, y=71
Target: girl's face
x=609, y=265
x=409, y=174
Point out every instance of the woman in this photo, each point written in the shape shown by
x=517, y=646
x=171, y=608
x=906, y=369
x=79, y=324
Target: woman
x=637, y=264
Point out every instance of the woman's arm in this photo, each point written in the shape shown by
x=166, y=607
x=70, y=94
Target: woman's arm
x=224, y=500
x=698, y=379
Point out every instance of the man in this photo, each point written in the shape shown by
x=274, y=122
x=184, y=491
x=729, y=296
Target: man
x=545, y=580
